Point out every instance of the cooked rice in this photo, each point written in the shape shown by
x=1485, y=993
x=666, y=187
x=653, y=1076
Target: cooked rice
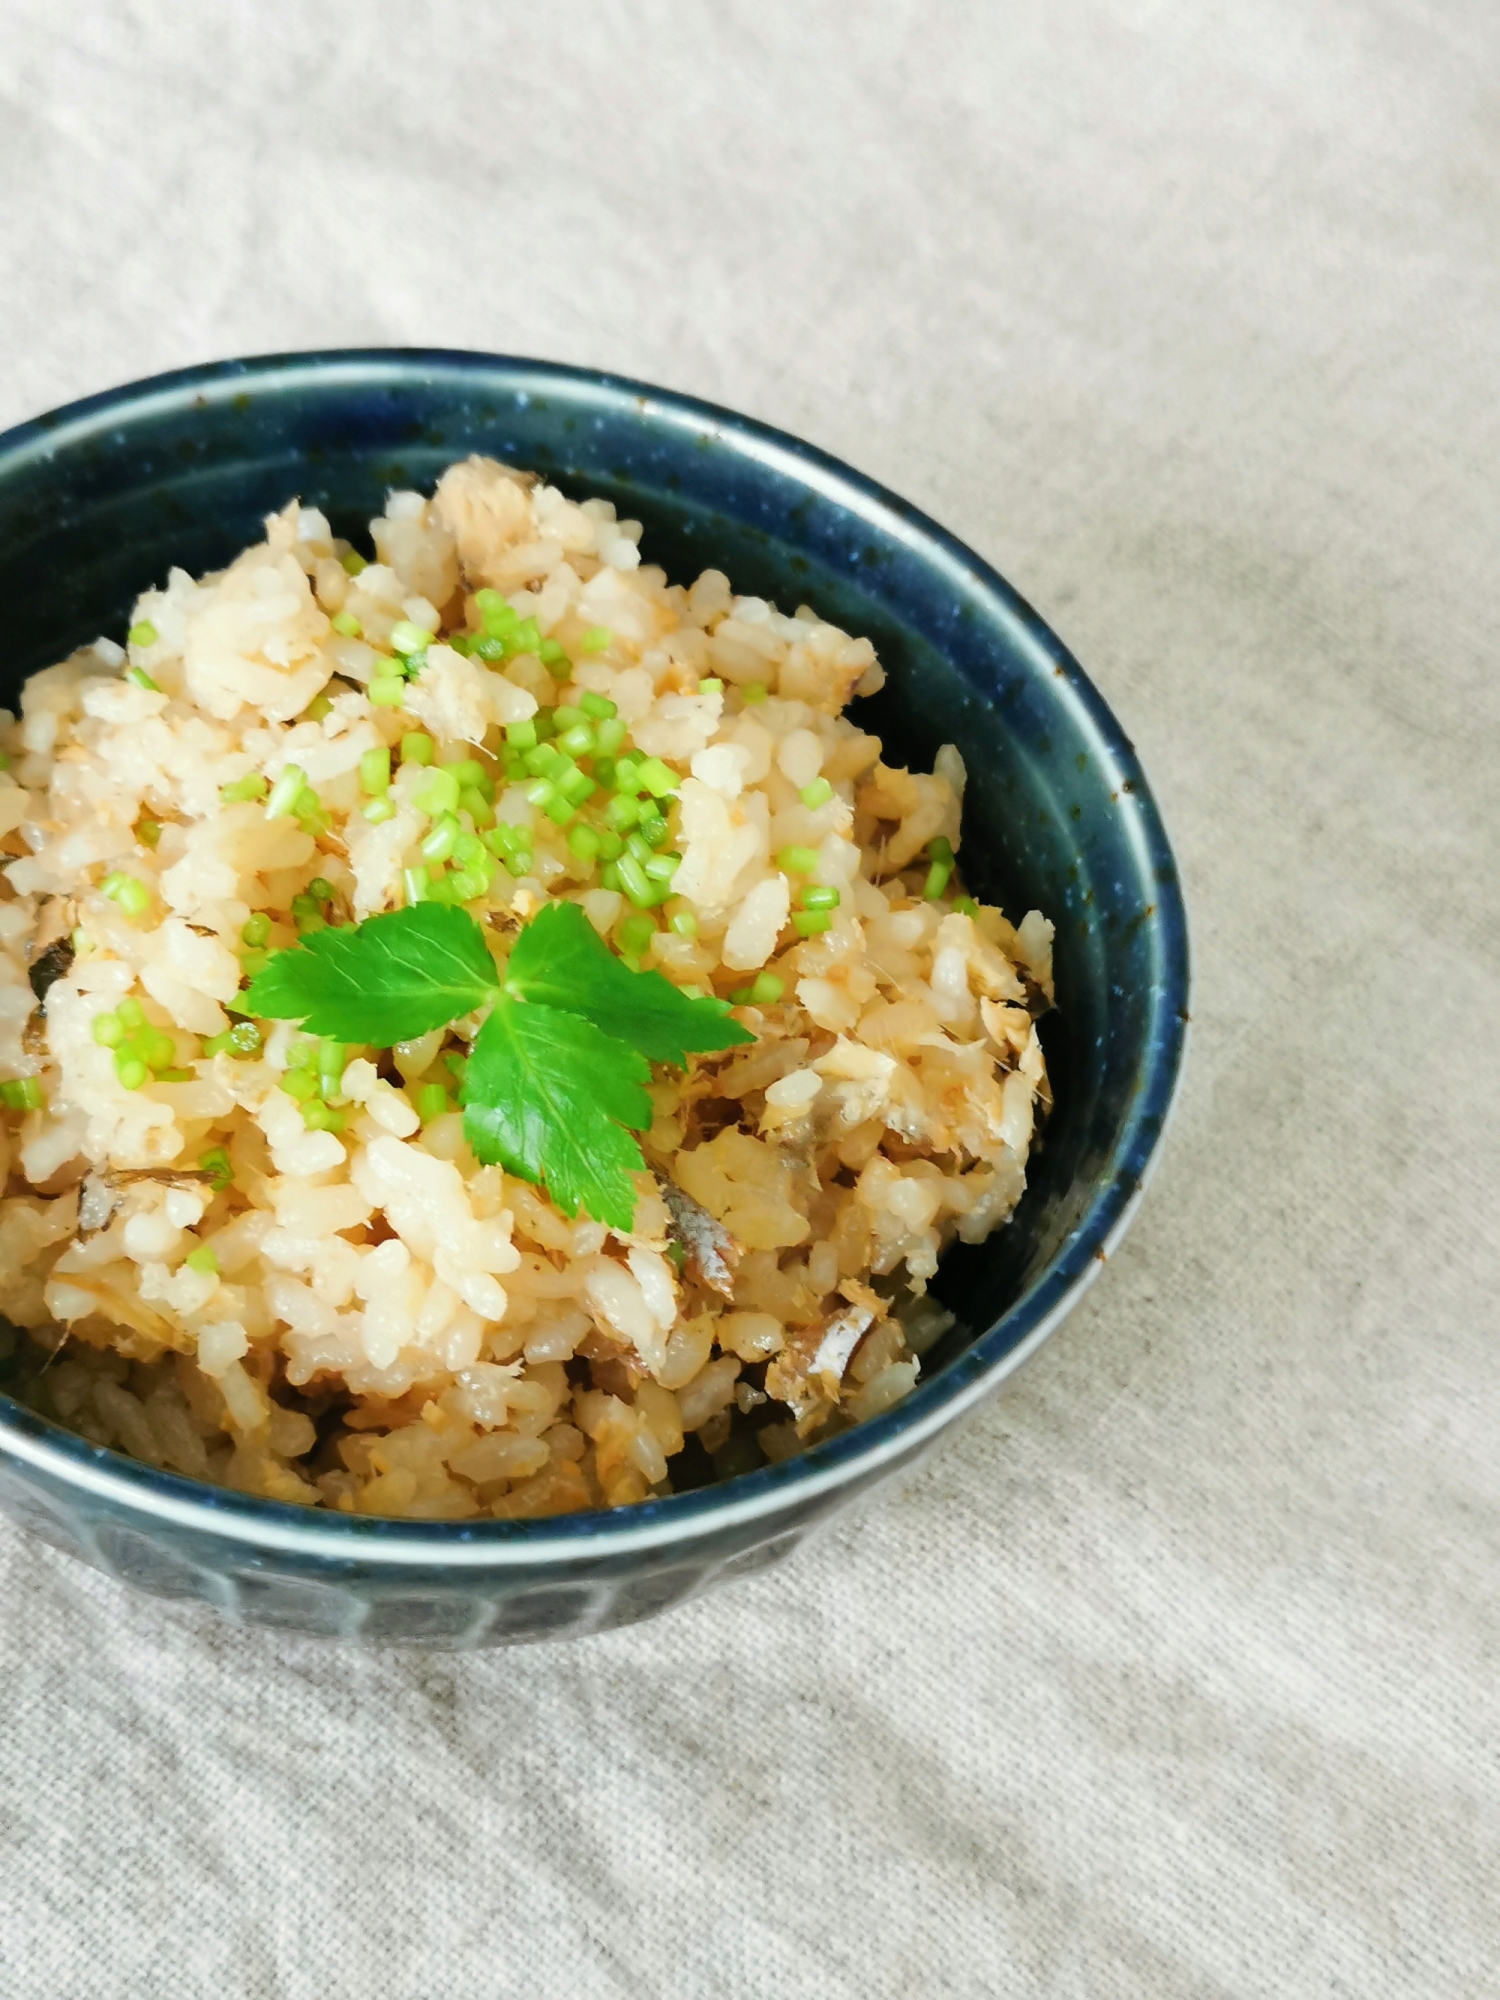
x=391, y=1328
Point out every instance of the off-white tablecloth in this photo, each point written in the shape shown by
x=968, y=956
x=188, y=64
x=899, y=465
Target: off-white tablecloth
x=1174, y=1673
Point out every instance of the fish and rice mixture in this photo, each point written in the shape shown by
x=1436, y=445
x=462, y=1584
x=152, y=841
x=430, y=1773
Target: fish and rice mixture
x=274, y=1262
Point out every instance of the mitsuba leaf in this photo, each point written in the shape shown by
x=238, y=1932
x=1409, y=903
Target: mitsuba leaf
x=560, y=961
x=548, y=1096
x=386, y=980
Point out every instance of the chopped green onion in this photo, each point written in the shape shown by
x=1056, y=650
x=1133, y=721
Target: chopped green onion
x=141, y=679
x=345, y=624
x=522, y=735
x=489, y=648
x=219, y=1045
x=576, y=787
x=479, y=807
x=243, y=790
x=132, y=1014
x=816, y=897
x=658, y=778
x=622, y=812
x=299, y=1084
x=386, y=693
x=351, y=562
x=577, y=741
x=684, y=923
x=378, y=810
x=634, y=881
x=512, y=844
x=437, y=793
x=767, y=989
x=440, y=842
x=754, y=692
x=940, y=855
x=609, y=735
x=319, y=1117
x=818, y=793
x=375, y=771
x=966, y=906
x=202, y=1259
x=711, y=686
x=318, y=707
x=22, y=1093
x=256, y=928
x=216, y=1162
x=253, y=963
x=464, y=884
x=109, y=1030
x=583, y=841
x=130, y=1070
x=636, y=932
x=416, y=747
x=148, y=832
x=302, y=1053
x=597, y=706
x=662, y=867
x=309, y=812
x=611, y=847
x=307, y=914
x=496, y=613
x=245, y=1039
x=407, y=638
x=551, y=654
x=417, y=886
x=595, y=639
x=143, y=634
x=609, y=877
x=651, y=826
x=285, y=793
x=808, y=923
x=132, y=896
x=797, y=860
x=432, y=1102
x=320, y=888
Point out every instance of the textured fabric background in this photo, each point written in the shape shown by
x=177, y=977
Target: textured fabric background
x=1175, y=1673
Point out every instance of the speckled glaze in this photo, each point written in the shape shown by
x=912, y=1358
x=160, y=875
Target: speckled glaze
x=99, y=499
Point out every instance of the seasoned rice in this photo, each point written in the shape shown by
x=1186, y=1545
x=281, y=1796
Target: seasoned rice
x=357, y=1314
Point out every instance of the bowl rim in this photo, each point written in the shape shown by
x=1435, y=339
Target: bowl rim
x=854, y=1456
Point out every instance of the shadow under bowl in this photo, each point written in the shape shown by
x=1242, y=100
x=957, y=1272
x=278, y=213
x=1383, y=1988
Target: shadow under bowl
x=98, y=500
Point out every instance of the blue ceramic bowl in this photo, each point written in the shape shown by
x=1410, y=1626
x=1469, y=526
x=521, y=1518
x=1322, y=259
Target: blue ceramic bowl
x=97, y=500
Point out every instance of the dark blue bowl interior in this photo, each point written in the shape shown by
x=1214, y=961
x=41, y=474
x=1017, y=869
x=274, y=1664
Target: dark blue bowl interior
x=100, y=500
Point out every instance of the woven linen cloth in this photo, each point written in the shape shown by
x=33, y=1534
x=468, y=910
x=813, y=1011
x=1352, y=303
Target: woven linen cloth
x=1173, y=1673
